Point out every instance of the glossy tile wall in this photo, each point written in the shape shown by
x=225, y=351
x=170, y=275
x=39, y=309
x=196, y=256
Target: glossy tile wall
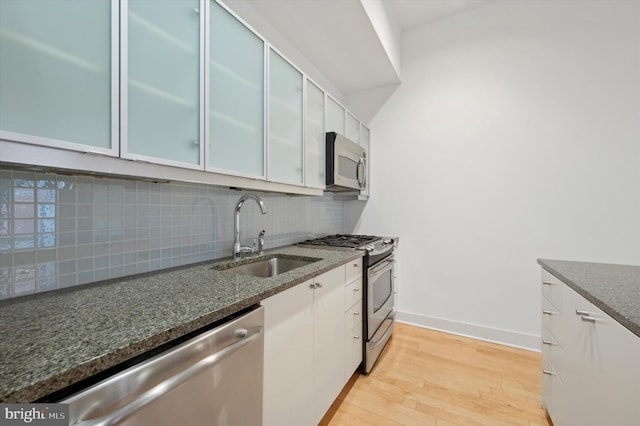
x=60, y=231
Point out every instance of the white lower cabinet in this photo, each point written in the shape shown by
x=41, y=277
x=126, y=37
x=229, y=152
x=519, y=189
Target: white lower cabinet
x=353, y=318
x=328, y=360
x=590, y=363
x=304, y=350
x=353, y=327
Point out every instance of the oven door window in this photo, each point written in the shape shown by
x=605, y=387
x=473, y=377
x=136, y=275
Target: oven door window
x=380, y=294
x=382, y=289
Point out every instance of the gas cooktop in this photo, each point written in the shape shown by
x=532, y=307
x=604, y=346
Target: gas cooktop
x=342, y=240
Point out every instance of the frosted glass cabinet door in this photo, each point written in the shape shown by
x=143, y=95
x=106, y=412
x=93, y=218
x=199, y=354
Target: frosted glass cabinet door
x=236, y=97
x=56, y=73
x=334, y=120
x=352, y=128
x=162, y=79
x=314, y=144
x=285, y=121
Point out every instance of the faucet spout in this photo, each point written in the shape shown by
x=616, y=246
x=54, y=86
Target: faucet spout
x=237, y=248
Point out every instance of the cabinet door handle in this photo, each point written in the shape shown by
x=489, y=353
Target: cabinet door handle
x=583, y=313
x=547, y=283
x=318, y=285
x=356, y=337
x=549, y=312
x=587, y=318
x=356, y=289
x=547, y=342
x=355, y=265
x=548, y=372
x=312, y=285
x=356, y=313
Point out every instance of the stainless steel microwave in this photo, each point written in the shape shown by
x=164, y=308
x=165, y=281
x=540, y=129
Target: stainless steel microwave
x=346, y=164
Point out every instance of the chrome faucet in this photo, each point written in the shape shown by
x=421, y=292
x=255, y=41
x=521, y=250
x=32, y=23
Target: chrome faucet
x=237, y=248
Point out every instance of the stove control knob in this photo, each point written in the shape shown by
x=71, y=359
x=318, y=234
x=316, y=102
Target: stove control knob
x=369, y=247
x=387, y=241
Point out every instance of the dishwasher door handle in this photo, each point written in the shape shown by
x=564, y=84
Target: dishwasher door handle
x=173, y=382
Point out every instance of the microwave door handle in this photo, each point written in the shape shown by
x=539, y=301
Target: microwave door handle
x=362, y=180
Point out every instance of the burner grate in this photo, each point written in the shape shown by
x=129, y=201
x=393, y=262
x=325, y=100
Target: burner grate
x=342, y=240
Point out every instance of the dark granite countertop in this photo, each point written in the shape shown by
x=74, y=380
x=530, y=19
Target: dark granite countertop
x=55, y=339
x=615, y=289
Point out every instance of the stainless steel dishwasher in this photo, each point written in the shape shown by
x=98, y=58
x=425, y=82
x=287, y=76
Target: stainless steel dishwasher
x=214, y=378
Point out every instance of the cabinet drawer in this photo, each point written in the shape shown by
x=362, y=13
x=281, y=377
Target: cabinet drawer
x=550, y=316
x=352, y=318
x=548, y=384
x=552, y=289
x=548, y=339
x=353, y=351
x=551, y=349
x=354, y=270
x=353, y=293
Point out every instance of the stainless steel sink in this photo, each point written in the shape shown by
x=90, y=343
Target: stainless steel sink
x=269, y=267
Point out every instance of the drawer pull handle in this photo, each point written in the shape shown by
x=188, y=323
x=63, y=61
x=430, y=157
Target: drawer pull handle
x=548, y=372
x=549, y=312
x=356, y=337
x=356, y=313
x=583, y=313
x=587, y=318
x=356, y=289
x=547, y=283
x=547, y=342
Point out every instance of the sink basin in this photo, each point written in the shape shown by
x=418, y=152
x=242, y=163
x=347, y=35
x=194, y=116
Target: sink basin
x=269, y=267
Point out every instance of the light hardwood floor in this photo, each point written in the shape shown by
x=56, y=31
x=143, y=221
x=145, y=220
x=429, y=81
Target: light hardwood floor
x=429, y=378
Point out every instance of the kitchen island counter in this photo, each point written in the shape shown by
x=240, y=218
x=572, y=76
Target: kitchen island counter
x=615, y=289
x=52, y=340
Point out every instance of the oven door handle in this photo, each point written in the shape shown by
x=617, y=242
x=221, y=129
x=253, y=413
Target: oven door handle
x=383, y=332
x=382, y=267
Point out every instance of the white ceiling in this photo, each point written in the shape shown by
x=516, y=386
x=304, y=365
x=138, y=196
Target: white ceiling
x=339, y=39
x=335, y=35
x=414, y=13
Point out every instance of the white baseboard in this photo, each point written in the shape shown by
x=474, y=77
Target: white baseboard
x=494, y=335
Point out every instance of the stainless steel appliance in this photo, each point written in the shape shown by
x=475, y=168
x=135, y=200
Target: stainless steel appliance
x=378, y=275
x=346, y=164
x=214, y=378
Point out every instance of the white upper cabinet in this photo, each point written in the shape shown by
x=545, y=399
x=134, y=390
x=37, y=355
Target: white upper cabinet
x=58, y=74
x=161, y=78
x=236, y=96
x=352, y=128
x=180, y=83
x=314, y=142
x=334, y=118
x=285, y=121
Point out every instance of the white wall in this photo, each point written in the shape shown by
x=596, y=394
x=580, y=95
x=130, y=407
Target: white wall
x=514, y=136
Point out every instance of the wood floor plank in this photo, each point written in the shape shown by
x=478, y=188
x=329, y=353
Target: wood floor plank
x=426, y=377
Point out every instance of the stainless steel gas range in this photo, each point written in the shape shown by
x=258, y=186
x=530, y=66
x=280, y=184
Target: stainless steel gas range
x=378, y=284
